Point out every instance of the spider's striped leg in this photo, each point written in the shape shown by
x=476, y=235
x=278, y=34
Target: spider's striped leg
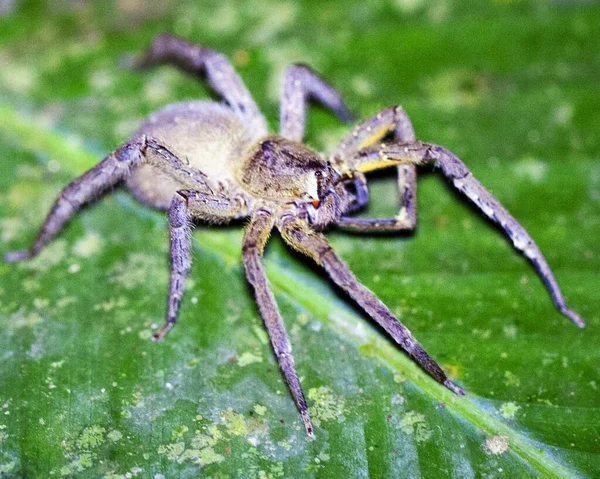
x=220, y=74
x=255, y=238
x=300, y=85
x=185, y=206
x=81, y=191
x=301, y=237
x=393, y=122
x=460, y=176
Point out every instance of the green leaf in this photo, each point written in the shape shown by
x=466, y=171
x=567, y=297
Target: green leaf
x=511, y=87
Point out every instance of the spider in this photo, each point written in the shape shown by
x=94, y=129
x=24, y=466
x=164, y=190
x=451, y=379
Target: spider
x=217, y=162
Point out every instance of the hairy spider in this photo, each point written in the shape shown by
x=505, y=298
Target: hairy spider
x=202, y=160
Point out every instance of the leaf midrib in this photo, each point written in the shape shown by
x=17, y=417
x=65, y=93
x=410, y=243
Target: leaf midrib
x=35, y=137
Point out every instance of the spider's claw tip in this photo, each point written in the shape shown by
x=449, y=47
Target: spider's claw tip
x=15, y=256
x=158, y=336
x=162, y=332
x=573, y=316
x=579, y=322
x=310, y=431
x=454, y=388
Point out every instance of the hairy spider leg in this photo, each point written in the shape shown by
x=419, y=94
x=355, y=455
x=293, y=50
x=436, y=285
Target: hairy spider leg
x=219, y=73
x=394, y=121
x=300, y=236
x=255, y=238
x=300, y=85
x=456, y=171
x=185, y=174
x=186, y=206
x=84, y=189
x=100, y=179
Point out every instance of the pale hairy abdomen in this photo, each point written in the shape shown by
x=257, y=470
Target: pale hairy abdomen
x=205, y=135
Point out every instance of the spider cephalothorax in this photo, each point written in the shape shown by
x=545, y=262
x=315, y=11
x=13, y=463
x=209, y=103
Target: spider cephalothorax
x=281, y=170
x=215, y=162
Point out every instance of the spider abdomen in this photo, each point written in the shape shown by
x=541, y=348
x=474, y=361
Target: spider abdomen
x=207, y=136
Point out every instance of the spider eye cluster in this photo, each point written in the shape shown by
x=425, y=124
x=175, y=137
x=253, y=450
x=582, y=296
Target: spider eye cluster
x=324, y=175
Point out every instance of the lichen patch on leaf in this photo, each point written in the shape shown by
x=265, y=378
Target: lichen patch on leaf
x=260, y=410
x=200, y=450
x=508, y=410
x=510, y=379
x=496, y=445
x=235, y=422
x=248, y=358
x=91, y=437
x=414, y=423
x=326, y=406
x=173, y=451
x=82, y=452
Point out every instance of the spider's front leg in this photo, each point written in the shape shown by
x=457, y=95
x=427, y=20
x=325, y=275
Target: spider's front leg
x=380, y=156
x=84, y=189
x=300, y=85
x=185, y=206
x=255, y=238
x=301, y=237
x=100, y=179
x=394, y=122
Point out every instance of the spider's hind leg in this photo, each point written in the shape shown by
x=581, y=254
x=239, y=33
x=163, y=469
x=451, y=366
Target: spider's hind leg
x=206, y=62
x=301, y=84
x=84, y=189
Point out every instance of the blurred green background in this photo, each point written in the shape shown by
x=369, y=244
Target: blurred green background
x=513, y=87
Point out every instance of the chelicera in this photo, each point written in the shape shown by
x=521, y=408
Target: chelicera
x=217, y=162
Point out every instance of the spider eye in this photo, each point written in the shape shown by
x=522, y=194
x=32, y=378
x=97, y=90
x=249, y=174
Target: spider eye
x=318, y=174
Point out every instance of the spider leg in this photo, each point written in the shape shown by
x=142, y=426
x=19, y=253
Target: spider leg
x=395, y=122
x=406, y=218
x=255, y=238
x=220, y=74
x=180, y=171
x=301, y=237
x=186, y=206
x=301, y=84
x=81, y=191
x=361, y=193
x=460, y=176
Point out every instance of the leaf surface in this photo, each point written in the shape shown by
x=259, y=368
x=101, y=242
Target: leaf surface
x=512, y=88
